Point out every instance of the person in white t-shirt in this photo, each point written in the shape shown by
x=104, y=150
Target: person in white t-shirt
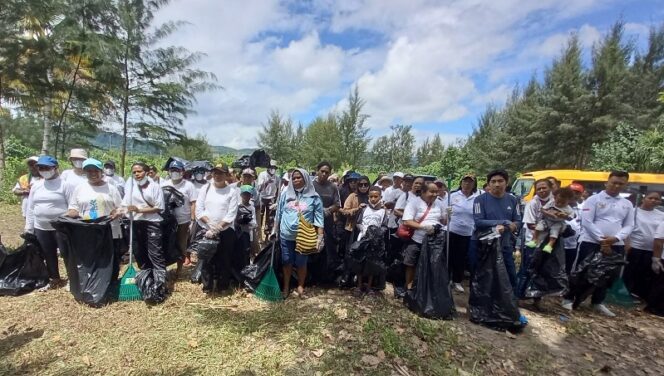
x=49, y=198
x=216, y=210
x=421, y=214
x=22, y=187
x=639, y=246
x=184, y=214
x=144, y=198
x=112, y=177
x=76, y=175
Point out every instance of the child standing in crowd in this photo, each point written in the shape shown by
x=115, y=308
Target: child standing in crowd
x=245, y=222
x=373, y=215
x=554, y=214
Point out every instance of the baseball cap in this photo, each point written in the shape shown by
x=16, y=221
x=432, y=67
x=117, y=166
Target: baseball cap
x=384, y=178
x=91, y=162
x=248, y=171
x=110, y=163
x=222, y=167
x=398, y=175
x=576, y=187
x=439, y=183
x=408, y=177
x=247, y=189
x=285, y=177
x=273, y=163
x=79, y=153
x=47, y=160
x=34, y=158
x=468, y=176
x=353, y=176
x=176, y=164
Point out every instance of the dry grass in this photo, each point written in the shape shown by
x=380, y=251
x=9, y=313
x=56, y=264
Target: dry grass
x=328, y=334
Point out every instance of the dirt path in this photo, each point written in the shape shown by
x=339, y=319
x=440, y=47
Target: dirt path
x=331, y=333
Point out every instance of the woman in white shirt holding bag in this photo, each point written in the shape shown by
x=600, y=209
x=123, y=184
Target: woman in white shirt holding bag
x=144, y=198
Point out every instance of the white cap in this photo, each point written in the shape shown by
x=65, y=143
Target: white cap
x=285, y=177
x=34, y=158
x=273, y=162
x=248, y=171
x=78, y=153
x=398, y=175
x=384, y=178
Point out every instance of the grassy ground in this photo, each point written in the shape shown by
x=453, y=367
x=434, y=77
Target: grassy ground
x=328, y=334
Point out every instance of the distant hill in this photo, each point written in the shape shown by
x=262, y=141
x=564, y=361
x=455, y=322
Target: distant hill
x=110, y=140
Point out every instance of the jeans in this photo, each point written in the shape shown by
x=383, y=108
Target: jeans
x=291, y=257
x=523, y=277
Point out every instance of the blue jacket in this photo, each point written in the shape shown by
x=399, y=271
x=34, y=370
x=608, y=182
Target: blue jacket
x=289, y=220
x=490, y=211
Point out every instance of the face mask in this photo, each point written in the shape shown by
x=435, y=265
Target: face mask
x=199, y=176
x=109, y=171
x=77, y=163
x=271, y=171
x=142, y=181
x=176, y=175
x=47, y=174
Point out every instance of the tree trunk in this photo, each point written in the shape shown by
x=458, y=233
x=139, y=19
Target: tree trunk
x=125, y=113
x=47, y=128
x=3, y=165
x=61, y=124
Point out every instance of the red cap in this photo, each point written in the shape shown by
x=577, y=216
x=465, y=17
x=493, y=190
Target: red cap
x=576, y=187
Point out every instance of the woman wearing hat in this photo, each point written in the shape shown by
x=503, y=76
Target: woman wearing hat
x=183, y=214
x=145, y=200
x=459, y=216
x=300, y=199
x=216, y=211
x=76, y=175
x=49, y=198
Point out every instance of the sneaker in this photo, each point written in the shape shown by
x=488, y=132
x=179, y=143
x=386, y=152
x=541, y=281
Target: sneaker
x=531, y=244
x=601, y=309
x=567, y=304
x=523, y=320
x=547, y=248
x=458, y=287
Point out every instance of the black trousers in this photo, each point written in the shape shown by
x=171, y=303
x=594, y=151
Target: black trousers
x=50, y=241
x=638, y=275
x=219, y=268
x=458, y=256
x=148, y=247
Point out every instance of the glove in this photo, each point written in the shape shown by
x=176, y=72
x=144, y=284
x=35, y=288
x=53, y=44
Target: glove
x=320, y=243
x=657, y=266
x=210, y=234
x=273, y=206
x=449, y=211
x=428, y=229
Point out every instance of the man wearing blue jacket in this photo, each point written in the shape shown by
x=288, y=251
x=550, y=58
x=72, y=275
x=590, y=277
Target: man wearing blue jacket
x=499, y=209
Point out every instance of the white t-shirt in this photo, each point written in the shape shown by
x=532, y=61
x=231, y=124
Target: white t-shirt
x=183, y=213
x=197, y=187
x=218, y=204
x=117, y=180
x=645, y=225
x=415, y=210
x=151, y=197
x=24, y=198
x=572, y=242
x=532, y=214
x=72, y=178
x=48, y=200
x=604, y=215
x=94, y=202
x=370, y=217
x=462, y=221
x=659, y=234
x=392, y=195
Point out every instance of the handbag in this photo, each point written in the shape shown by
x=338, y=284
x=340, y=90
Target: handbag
x=406, y=233
x=306, y=238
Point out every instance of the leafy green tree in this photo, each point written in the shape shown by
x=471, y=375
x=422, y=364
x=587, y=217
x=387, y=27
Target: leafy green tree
x=354, y=139
x=321, y=143
x=394, y=151
x=193, y=148
x=276, y=138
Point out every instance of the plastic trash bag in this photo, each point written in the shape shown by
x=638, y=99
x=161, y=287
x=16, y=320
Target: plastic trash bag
x=492, y=302
x=205, y=249
x=152, y=285
x=596, y=270
x=546, y=272
x=254, y=273
x=23, y=270
x=431, y=296
x=89, y=255
x=169, y=225
x=367, y=256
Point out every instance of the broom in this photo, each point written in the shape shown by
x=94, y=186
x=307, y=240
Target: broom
x=128, y=289
x=269, y=289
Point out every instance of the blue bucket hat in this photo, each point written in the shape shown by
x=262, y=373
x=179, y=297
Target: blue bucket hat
x=47, y=160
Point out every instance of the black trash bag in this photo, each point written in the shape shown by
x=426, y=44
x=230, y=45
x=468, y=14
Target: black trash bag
x=198, y=165
x=205, y=249
x=492, y=302
x=254, y=273
x=152, y=285
x=596, y=270
x=89, y=256
x=259, y=158
x=23, y=270
x=367, y=256
x=655, y=297
x=169, y=225
x=547, y=275
x=431, y=296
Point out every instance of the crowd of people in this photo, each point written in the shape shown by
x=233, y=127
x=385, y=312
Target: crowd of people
x=347, y=230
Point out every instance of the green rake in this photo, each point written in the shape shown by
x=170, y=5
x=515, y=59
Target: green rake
x=269, y=290
x=128, y=289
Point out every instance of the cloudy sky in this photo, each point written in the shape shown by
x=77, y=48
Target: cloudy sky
x=432, y=64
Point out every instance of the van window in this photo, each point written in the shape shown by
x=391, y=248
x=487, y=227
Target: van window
x=521, y=187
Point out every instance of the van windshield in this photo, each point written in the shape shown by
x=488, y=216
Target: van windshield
x=521, y=187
